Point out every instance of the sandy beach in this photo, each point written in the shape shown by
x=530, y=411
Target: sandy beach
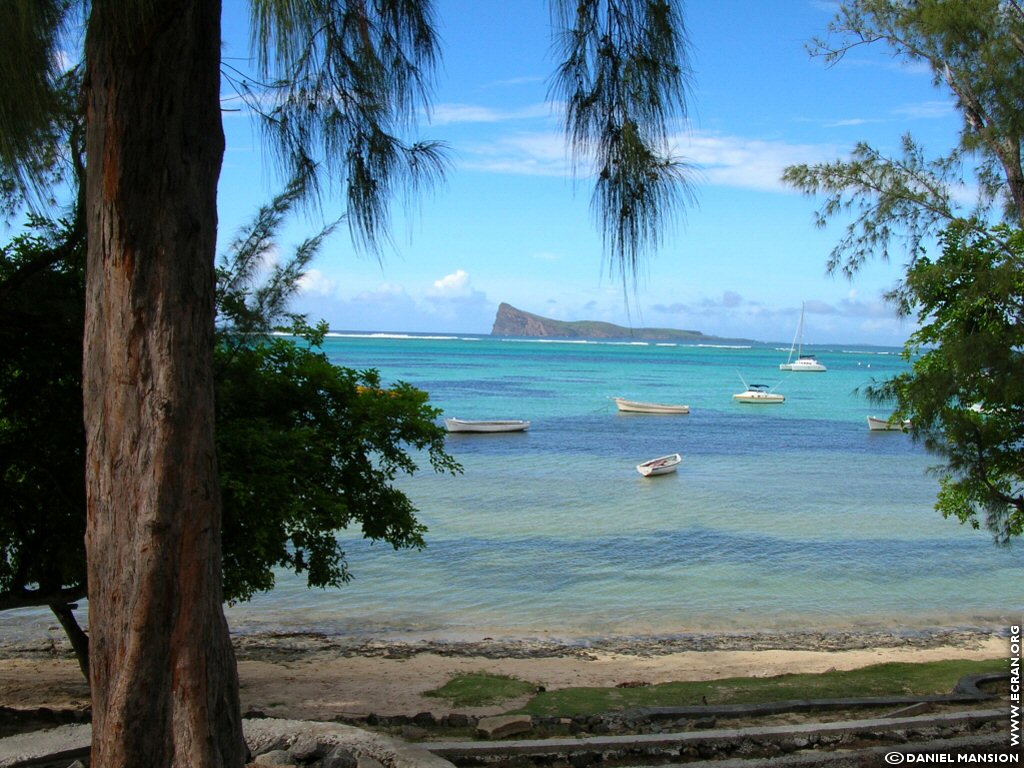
x=319, y=678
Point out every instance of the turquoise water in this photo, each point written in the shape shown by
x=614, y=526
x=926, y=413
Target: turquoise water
x=788, y=517
x=780, y=517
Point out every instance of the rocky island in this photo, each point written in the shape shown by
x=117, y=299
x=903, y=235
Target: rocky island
x=515, y=322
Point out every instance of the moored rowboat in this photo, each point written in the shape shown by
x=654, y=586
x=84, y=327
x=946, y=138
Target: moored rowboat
x=482, y=425
x=634, y=406
x=885, y=425
x=660, y=466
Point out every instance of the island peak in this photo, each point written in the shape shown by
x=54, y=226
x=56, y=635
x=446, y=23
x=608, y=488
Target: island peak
x=518, y=323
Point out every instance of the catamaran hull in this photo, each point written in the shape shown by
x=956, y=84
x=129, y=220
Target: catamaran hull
x=810, y=366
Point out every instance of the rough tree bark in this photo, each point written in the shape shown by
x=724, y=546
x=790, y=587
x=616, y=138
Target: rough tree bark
x=163, y=674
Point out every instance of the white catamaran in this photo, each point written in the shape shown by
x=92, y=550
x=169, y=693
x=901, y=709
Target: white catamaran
x=803, y=362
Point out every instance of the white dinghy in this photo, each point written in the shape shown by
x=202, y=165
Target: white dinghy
x=876, y=424
x=660, y=466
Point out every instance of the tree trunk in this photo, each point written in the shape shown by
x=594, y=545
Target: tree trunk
x=79, y=640
x=163, y=674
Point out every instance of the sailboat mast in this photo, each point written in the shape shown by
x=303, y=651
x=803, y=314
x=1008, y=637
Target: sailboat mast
x=800, y=332
x=797, y=337
x=802, y=362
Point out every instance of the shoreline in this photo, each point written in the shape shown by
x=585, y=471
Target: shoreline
x=319, y=677
x=532, y=646
x=282, y=644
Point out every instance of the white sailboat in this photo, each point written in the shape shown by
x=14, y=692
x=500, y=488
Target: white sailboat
x=803, y=362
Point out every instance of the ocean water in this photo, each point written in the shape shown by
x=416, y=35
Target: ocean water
x=789, y=517
x=781, y=517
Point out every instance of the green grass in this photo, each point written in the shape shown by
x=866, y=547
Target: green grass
x=892, y=679
x=477, y=689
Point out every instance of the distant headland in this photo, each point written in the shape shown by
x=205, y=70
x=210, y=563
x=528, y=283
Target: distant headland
x=515, y=322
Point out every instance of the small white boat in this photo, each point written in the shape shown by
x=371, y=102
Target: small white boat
x=660, y=466
x=480, y=425
x=803, y=362
x=887, y=425
x=759, y=394
x=634, y=406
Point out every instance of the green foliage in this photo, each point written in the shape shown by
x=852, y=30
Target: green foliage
x=42, y=440
x=344, y=80
x=880, y=680
x=305, y=449
x=903, y=199
x=624, y=76
x=974, y=49
x=253, y=291
x=337, y=88
x=964, y=393
x=479, y=689
x=31, y=95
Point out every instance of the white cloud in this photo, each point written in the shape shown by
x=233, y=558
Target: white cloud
x=384, y=292
x=731, y=315
x=448, y=114
x=851, y=122
x=450, y=303
x=927, y=110
x=452, y=299
x=735, y=161
x=317, y=283
x=731, y=161
x=522, y=154
x=450, y=286
x=514, y=81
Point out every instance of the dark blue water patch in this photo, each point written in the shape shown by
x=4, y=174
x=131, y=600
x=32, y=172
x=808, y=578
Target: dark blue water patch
x=482, y=387
x=503, y=444
x=548, y=563
x=726, y=433
x=605, y=433
x=508, y=387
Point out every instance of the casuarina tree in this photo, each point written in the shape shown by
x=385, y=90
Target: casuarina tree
x=353, y=74
x=961, y=393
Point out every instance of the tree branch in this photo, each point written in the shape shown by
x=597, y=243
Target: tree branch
x=33, y=598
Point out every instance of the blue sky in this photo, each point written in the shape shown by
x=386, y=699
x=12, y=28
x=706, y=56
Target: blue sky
x=510, y=224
